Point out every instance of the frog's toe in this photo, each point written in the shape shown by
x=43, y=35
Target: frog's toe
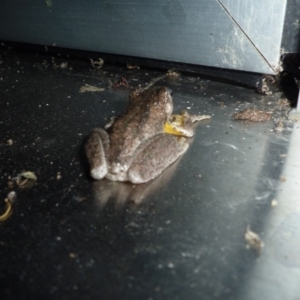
x=96, y=148
x=136, y=178
x=99, y=172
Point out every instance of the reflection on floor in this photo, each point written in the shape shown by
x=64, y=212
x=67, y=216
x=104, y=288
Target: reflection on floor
x=181, y=236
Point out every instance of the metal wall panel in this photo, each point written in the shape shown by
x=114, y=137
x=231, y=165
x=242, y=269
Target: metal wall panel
x=241, y=35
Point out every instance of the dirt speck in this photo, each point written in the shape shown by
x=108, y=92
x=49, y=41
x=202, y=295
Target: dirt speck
x=58, y=176
x=132, y=67
x=282, y=178
x=253, y=240
x=10, y=184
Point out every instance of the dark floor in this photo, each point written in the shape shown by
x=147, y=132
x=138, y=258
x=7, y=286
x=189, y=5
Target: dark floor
x=179, y=237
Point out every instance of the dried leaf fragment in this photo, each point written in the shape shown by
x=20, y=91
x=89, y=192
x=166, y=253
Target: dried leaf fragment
x=132, y=67
x=63, y=65
x=269, y=78
x=172, y=73
x=97, y=64
x=121, y=82
x=254, y=115
x=8, y=209
x=279, y=126
x=48, y=2
x=283, y=103
x=25, y=179
x=80, y=199
x=90, y=88
x=253, y=240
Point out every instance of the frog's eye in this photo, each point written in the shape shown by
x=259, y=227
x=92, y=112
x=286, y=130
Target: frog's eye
x=168, y=91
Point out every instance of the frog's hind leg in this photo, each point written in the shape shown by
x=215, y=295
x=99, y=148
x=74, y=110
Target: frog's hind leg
x=96, y=150
x=156, y=157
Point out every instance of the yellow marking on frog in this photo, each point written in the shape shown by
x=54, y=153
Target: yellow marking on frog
x=175, y=121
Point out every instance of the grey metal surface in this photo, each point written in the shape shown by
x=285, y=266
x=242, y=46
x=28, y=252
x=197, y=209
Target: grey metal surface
x=239, y=35
x=262, y=26
x=183, y=237
x=282, y=235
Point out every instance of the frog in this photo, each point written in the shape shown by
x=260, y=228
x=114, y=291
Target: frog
x=139, y=144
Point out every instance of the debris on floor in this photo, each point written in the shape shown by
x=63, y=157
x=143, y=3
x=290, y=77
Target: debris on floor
x=253, y=240
x=25, y=179
x=254, y=115
x=8, y=209
x=97, y=64
x=90, y=88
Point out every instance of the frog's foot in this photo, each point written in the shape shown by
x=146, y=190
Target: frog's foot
x=154, y=159
x=96, y=148
x=182, y=125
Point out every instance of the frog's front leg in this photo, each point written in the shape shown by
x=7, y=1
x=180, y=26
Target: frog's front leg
x=163, y=150
x=96, y=150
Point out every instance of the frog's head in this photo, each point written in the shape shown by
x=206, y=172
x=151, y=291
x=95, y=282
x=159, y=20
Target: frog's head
x=155, y=100
x=163, y=97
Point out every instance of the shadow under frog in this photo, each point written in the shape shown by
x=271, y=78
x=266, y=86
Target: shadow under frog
x=123, y=193
x=141, y=143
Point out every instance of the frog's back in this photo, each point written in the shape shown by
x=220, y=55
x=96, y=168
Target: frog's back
x=144, y=118
x=129, y=132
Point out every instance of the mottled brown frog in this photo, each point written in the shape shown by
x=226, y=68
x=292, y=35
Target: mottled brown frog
x=142, y=142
